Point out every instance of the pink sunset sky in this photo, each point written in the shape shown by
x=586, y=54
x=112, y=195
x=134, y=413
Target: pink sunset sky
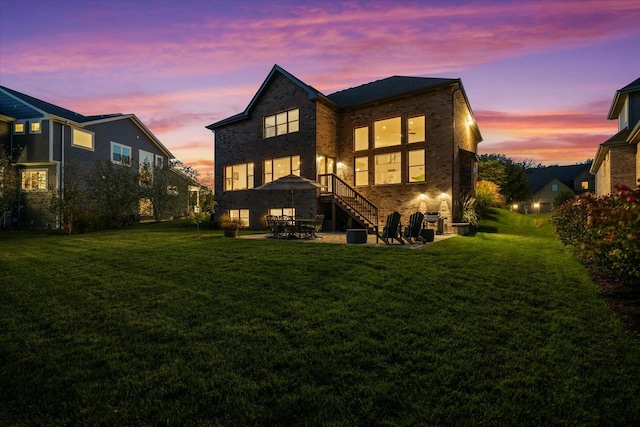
x=540, y=75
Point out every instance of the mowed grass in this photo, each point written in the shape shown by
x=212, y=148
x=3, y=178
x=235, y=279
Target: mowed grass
x=153, y=325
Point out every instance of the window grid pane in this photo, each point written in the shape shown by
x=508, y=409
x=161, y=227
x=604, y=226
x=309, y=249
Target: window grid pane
x=416, y=129
x=388, y=168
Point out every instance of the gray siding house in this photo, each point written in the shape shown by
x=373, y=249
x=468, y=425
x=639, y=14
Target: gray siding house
x=401, y=144
x=42, y=139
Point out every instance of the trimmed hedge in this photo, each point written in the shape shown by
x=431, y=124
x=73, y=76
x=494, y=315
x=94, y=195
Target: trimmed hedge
x=604, y=231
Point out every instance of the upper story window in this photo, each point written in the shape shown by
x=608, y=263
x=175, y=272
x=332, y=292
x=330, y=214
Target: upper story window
x=238, y=177
x=387, y=132
x=282, y=123
x=35, y=127
x=18, y=128
x=388, y=168
x=159, y=161
x=361, y=138
x=361, y=170
x=584, y=185
x=416, y=166
x=82, y=138
x=623, y=118
x=554, y=187
x=120, y=154
x=33, y=180
x=415, y=127
x=283, y=166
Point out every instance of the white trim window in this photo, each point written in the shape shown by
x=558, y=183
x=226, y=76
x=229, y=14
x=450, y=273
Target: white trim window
x=34, y=180
x=282, y=166
x=18, y=128
x=282, y=123
x=120, y=154
x=82, y=139
x=159, y=161
x=238, y=177
x=35, y=127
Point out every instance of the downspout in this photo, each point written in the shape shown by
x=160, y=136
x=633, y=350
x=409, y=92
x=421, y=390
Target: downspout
x=453, y=152
x=61, y=179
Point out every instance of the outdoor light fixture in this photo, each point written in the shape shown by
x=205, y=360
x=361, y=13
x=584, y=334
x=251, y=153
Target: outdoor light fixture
x=443, y=195
x=340, y=165
x=469, y=121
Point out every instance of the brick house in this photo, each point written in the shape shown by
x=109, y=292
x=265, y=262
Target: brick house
x=617, y=160
x=41, y=138
x=400, y=143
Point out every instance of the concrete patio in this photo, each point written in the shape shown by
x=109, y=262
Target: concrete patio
x=341, y=238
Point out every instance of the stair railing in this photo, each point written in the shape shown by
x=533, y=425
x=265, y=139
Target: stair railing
x=332, y=185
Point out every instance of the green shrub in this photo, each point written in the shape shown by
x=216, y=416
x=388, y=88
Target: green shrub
x=487, y=196
x=604, y=230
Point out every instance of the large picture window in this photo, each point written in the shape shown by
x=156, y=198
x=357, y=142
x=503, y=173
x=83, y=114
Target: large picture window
x=387, y=132
x=361, y=170
x=415, y=127
x=282, y=123
x=82, y=139
x=283, y=166
x=34, y=180
x=361, y=138
x=238, y=177
x=388, y=168
x=120, y=154
x=416, y=166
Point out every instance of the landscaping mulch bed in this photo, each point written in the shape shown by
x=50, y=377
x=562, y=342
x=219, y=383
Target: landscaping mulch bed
x=623, y=299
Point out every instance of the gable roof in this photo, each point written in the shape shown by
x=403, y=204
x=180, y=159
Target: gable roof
x=386, y=88
x=378, y=90
x=616, y=140
x=29, y=107
x=620, y=96
x=311, y=92
x=22, y=107
x=539, y=177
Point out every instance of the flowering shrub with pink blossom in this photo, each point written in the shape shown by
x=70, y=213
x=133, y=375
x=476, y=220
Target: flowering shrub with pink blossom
x=604, y=230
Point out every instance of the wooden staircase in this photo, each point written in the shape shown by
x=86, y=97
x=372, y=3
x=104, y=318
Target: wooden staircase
x=340, y=194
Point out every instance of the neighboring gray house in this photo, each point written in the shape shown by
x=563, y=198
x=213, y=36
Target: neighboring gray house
x=43, y=138
x=617, y=159
x=547, y=182
x=400, y=143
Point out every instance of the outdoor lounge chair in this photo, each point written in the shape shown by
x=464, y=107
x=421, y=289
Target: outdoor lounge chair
x=392, y=229
x=412, y=231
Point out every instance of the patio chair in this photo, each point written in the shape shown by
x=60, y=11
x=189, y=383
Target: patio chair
x=274, y=225
x=412, y=231
x=392, y=229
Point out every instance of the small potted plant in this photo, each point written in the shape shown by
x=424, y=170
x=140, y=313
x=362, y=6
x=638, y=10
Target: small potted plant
x=230, y=225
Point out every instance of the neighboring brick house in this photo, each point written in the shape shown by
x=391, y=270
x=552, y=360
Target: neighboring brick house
x=401, y=143
x=617, y=159
x=547, y=182
x=42, y=138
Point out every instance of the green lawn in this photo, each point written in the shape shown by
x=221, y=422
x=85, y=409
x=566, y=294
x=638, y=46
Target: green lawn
x=153, y=325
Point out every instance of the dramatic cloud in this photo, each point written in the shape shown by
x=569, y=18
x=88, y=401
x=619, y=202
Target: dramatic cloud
x=180, y=66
